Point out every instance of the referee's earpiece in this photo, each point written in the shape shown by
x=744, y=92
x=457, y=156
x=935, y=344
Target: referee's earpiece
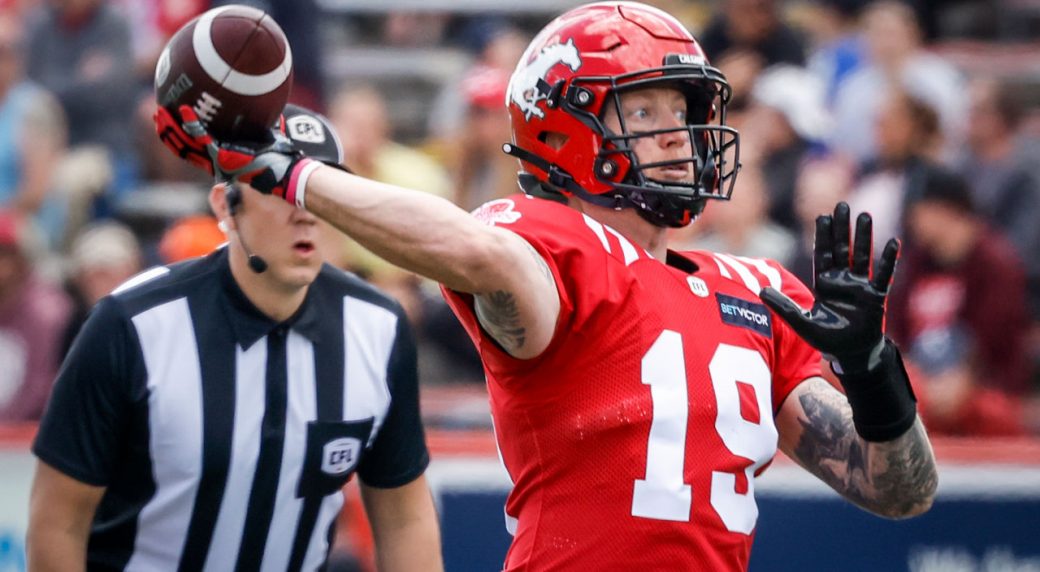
x=234, y=199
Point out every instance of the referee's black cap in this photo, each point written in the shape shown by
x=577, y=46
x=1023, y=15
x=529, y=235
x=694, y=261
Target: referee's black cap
x=312, y=133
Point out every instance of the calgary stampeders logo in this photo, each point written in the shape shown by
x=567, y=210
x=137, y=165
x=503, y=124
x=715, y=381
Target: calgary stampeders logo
x=496, y=212
x=528, y=87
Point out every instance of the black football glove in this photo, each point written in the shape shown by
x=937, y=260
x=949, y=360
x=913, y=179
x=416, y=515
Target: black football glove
x=846, y=323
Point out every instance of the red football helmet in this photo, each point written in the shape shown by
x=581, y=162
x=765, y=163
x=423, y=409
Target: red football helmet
x=576, y=67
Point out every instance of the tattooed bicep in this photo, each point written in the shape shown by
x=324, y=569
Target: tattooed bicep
x=500, y=312
x=500, y=316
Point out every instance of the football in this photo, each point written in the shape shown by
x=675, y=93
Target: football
x=233, y=66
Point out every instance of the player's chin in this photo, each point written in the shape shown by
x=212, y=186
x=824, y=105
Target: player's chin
x=672, y=175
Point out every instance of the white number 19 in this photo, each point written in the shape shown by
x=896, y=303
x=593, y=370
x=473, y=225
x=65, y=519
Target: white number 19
x=663, y=494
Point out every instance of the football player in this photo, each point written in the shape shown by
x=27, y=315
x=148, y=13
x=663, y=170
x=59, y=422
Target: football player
x=637, y=391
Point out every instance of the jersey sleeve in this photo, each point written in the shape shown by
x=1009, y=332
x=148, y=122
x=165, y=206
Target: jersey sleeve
x=589, y=289
x=796, y=360
x=82, y=427
x=399, y=455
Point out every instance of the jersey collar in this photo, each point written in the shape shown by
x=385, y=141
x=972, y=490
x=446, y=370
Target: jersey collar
x=250, y=324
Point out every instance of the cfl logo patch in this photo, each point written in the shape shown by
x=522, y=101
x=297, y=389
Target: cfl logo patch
x=340, y=455
x=306, y=129
x=207, y=106
x=697, y=286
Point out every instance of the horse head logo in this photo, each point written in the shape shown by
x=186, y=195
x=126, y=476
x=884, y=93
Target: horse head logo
x=528, y=85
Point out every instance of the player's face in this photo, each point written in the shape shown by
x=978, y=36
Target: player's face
x=652, y=109
x=286, y=237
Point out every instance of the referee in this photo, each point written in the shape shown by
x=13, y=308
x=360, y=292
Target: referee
x=209, y=412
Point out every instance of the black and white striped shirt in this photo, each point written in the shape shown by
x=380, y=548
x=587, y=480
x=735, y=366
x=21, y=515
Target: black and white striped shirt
x=224, y=438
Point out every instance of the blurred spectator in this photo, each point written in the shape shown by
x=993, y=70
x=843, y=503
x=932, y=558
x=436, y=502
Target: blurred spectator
x=744, y=38
x=152, y=23
x=33, y=316
x=492, y=40
x=83, y=175
x=821, y=184
x=950, y=400
x=1005, y=192
x=408, y=28
x=907, y=133
x=482, y=171
x=958, y=273
x=787, y=121
x=740, y=227
x=896, y=61
x=81, y=51
x=359, y=114
x=754, y=26
x=103, y=257
x=837, y=48
x=494, y=44
x=32, y=136
x=965, y=18
x=190, y=237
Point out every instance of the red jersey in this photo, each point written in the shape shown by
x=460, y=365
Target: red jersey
x=633, y=440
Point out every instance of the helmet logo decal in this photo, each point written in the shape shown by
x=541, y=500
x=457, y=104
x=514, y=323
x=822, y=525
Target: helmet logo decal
x=528, y=85
x=685, y=59
x=497, y=211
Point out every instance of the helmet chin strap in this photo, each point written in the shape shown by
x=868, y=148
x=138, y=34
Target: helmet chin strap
x=670, y=210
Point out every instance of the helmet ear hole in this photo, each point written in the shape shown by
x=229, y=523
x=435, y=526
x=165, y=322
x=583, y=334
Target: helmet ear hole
x=553, y=139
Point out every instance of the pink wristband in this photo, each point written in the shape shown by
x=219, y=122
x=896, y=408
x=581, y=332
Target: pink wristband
x=297, y=187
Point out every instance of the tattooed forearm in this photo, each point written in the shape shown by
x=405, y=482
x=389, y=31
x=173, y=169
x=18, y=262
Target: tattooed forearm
x=895, y=479
x=908, y=480
x=498, y=313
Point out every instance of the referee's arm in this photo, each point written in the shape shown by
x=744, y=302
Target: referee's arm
x=78, y=438
x=394, y=490
x=61, y=510
x=404, y=527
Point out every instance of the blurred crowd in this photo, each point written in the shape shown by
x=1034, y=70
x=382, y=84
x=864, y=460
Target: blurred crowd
x=834, y=99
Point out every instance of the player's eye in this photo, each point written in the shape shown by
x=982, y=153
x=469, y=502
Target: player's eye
x=638, y=118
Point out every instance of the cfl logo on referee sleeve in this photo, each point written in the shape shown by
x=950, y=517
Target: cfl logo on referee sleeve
x=340, y=456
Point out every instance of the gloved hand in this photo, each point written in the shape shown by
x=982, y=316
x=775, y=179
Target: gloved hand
x=271, y=168
x=846, y=322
